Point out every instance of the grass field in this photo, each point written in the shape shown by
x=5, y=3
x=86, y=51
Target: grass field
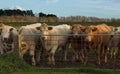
x=70, y=71
x=12, y=64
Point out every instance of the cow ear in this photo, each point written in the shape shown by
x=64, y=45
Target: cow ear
x=38, y=28
x=11, y=29
x=83, y=29
x=50, y=28
x=94, y=29
x=115, y=29
x=0, y=31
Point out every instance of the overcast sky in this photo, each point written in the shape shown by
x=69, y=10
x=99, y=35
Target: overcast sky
x=97, y=8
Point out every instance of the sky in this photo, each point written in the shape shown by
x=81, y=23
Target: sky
x=96, y=8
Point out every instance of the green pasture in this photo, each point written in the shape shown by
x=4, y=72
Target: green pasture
x=12, y=64
x=17, y=25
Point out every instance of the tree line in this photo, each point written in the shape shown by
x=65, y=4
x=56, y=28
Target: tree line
x=42, y=17
x=87, y=19
x=47, y=17
x=16, y=12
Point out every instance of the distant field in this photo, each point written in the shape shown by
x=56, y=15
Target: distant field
x=56, y=23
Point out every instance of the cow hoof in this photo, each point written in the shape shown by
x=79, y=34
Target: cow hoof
x=53, y=63
x=49, y=63
x=98, y=63
x=33, y=64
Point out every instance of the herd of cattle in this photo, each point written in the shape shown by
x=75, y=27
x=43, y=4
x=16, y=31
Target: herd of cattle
x=39, y=38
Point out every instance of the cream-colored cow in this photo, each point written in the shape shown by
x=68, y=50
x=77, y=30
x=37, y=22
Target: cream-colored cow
x=28, y=40
x=8, y=38
x=52, y=43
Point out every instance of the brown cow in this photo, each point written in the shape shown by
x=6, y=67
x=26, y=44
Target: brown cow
x=78, y=43
x=99, y=42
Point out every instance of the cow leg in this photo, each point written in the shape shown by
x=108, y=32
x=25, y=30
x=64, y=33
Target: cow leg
x=32, y=54
x=81, y=56
x=52, y=59
x=86, y=53
x=115, y=55
x=38, y=56
x=52, y=55
x=49, y=59
x=75, y=56
x=105, y=60
x=65, y=55
x=22, y=49
x=98, y=56
x=65, y=52
x=105, y=54
x=1, y=49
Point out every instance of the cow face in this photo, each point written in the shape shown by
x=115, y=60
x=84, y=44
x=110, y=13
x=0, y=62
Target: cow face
x=6, y=32
x=1, y=26
x=77, y=29
x=116, y=30
x=44, y=29
x=89, y=31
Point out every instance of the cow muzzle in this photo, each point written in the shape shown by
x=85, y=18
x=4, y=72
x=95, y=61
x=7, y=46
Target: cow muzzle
x=5, y=40
x=87, y=40
x=76, y=35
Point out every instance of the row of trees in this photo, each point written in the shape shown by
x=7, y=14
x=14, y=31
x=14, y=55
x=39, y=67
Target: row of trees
x=16, y=12
x=42, y=17
x=86, y=19
x=47, y=17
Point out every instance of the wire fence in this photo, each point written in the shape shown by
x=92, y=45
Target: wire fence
x=75, y=46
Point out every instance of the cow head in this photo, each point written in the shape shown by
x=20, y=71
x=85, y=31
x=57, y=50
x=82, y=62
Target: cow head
x=1, y=26
x=89, y=31
x=77, y=29
x=44, y=29
x=6, y=32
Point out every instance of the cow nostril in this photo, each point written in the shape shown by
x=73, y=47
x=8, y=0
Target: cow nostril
x=5, y=39
x=43, y=38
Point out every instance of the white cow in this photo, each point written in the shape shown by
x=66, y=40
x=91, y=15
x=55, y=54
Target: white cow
x=52, y=43
x=8, y=38
x=115, y=42
x=28, y=40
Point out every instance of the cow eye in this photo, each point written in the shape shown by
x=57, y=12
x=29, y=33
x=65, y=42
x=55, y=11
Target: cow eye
x=94, y=29
x=38, y=28
x=11, y=29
